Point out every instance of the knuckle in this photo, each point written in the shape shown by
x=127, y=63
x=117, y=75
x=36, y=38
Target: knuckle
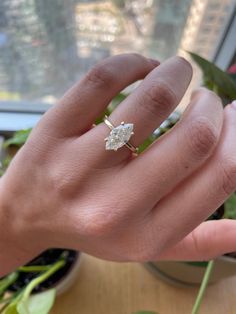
x=98, y=227
x=101, y=75
x=158, y=99
x=202, y=136
x=60, y=184
x=103, y=222
x=228, y=175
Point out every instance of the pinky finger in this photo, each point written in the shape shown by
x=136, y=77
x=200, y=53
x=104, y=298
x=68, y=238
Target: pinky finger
x=209, y=240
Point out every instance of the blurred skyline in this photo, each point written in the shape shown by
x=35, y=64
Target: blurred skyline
x=45, y=46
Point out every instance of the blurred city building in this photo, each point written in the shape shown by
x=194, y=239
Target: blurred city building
x=205, y=25
x=45, y=46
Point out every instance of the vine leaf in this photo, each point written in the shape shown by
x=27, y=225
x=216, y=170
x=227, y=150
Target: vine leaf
x=18, y=139
x=215, y=79
x=11, y=309
x=40, y=303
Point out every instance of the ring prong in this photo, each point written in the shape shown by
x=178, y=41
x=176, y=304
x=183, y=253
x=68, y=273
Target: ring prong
x=116, y=140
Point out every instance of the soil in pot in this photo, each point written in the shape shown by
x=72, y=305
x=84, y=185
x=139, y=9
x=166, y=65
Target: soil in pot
x=233, y=254
x=218, y=214
x=46, y=258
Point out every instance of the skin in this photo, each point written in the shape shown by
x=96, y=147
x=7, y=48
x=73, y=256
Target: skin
x=63, y=189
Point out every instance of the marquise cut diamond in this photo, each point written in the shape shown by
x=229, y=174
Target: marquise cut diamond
x=119, y=136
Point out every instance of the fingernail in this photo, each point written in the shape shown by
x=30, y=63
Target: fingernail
x=233, y=104
x=154, y=62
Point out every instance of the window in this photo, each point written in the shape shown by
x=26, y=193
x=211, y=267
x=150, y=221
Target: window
x=45, y=46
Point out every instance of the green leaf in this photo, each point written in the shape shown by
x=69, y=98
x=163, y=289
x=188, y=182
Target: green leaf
x=114, y=103
x=216, y=79
x=18, y=139
x=197, y=264
x=233, y=76
x=11, y=309
x=6, y=161
x=7, y=281
x=100, y=118
x=40, y=303
x=146, y=143
x=117, y=100
x=230, y=207
x=22, y=307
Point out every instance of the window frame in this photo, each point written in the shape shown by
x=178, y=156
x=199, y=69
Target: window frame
x=226, y=48
x=24, y=110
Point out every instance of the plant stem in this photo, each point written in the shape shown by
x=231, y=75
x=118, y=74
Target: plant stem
x=203, y=287
x=42, y=278
x=8, y=300
x=7, y=281
x=36, y=268
x=15, y=298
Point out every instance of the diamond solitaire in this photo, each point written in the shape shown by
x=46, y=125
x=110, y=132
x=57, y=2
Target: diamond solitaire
x=119, y=136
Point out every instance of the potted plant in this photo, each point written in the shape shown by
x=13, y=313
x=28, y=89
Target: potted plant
x=31, y=289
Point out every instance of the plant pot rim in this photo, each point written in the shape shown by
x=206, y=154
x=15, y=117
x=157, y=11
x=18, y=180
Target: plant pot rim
x=226, y=258
x=184, y=277
x=64, y=283
x=66, y=280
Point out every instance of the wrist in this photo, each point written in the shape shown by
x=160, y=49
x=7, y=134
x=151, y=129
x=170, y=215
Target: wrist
x=16, y=237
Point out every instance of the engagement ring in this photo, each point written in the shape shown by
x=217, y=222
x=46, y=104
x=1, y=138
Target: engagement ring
x=119, y=136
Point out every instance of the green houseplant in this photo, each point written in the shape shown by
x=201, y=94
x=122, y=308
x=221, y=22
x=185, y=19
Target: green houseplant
x=32, y=288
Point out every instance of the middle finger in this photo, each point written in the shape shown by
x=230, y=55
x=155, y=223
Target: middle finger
x=180, y=152
x=156, y=97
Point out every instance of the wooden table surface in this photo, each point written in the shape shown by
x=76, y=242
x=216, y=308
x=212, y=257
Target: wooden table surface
x=114, y=288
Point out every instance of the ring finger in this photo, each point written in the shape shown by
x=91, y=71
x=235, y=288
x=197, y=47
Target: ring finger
x=150, y=104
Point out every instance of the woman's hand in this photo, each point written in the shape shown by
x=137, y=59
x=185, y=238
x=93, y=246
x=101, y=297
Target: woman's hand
x=63, y=189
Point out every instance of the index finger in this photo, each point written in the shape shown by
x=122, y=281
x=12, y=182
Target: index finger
x=87, y=99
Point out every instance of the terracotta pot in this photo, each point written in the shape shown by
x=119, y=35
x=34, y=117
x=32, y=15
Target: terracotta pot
x=191, y=273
